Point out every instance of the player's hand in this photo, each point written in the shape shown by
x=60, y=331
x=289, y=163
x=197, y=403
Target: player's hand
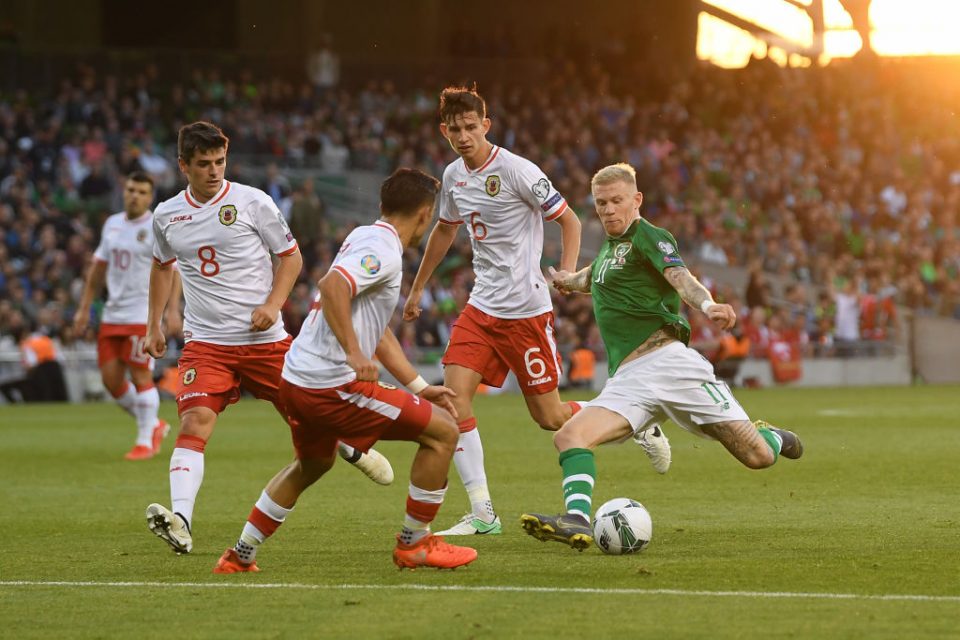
x=264, y=316
x=155, y=342
x=440, y=396
x=722, y=315
x=561, y=280
x=365, y=368
x=411, y=308
x=81, y=319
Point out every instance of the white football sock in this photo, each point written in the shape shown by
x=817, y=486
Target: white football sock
x=145, y=410
x=128, y=399
x=186, y=476
x=469, y=461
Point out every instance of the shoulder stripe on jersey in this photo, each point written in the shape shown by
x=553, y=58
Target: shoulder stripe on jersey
x=451, y=222
x=288, y=251
x=383, y=225
x=349, y=278
x=558, y=213
x=164, y=264
x=486, y=164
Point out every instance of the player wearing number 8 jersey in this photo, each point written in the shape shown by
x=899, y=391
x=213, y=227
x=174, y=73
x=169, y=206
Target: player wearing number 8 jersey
x=637, y=281
x=223, y=236
x=122, y=260
x=508, y=323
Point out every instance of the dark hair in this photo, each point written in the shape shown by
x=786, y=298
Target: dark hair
x=141, y=176
x=406, y=191
x=199, y=136
x=456, y=101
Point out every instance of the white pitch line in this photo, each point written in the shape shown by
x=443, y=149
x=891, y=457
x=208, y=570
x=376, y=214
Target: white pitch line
x=895, y=597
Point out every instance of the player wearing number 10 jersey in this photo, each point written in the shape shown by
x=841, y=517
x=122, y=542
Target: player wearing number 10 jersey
x=222, y=235
x=508, y=323
x=123, y=260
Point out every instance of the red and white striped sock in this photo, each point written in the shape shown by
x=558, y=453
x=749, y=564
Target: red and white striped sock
x=263, y=520
x=422, y=507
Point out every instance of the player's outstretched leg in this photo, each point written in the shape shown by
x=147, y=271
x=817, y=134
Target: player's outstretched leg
x=373, y=464
x=573, y=527
x=268, y=513
x=790, y=444
x=416, y=546
x=654, y=443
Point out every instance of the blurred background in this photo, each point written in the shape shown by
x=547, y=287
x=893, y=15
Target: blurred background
x=805, y=154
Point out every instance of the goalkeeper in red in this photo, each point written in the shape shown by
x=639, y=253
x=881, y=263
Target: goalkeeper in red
x=637, y=282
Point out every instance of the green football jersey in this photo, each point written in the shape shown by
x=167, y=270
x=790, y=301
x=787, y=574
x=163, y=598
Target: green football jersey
x=631, y=298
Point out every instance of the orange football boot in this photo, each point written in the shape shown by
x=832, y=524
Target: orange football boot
x=139, y=452
x=432, y=551
x=229, y=562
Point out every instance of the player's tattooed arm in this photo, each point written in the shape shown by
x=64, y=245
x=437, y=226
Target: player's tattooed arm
x=566, y=282
x=697, y=296
x=686, y=284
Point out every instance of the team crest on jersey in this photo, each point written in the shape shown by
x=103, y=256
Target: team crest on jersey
x=541, y=189
x=493, y=185
x=370, y=263
x=666, y=248
x=189, y=376
x=228, y=215
x=141, y=235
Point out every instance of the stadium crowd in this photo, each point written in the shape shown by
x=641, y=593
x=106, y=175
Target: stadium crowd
x=836, y=188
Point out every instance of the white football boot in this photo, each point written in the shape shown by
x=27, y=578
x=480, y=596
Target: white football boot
x=375, y=466
x=169, y=527
x=654, y=443
x=470, y=525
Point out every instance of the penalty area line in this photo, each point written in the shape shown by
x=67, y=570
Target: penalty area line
x=890, y=597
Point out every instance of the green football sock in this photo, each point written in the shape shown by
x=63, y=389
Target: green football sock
x=773, y=439
x=579, y=473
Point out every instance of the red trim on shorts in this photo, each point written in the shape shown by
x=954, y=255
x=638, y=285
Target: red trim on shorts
x=349, y=278
x=467, y=425
x=421, y=511
x=194, y=443
x=288, y=251
x=263, y=522
x=558, y=213
x=451, y=222
x=159, y=262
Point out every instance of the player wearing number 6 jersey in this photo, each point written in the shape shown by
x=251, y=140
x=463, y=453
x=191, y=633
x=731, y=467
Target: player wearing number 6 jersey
x=508, y=323
x=123, y=260
x=223, y=236
x=637, y=281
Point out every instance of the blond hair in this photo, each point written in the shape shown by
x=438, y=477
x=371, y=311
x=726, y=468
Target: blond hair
x=620, y=172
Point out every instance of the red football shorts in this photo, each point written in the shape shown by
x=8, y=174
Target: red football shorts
x=211, y=375
x=358, y=413
x=493, y=346
x=124, y=342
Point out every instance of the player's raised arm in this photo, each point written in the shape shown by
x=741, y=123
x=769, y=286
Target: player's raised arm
x=336, y=293
x=91, y=288
x=569, y=240
x=566, y=282
x=697, y=296
x=441, y=237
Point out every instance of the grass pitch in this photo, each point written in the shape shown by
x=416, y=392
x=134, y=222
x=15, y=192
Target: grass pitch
x=823, y=547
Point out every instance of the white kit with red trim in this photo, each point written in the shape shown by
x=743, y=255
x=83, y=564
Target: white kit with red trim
x=370, y=262
x=503, y=204
x=223, y=248
x=126, y=247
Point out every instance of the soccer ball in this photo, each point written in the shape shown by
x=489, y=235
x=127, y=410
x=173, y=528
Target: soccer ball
x=622, y=526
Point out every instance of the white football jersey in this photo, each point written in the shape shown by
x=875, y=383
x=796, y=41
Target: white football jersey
x=370, y=260
x=222, y=248
x=503, y=204
x=126, y=246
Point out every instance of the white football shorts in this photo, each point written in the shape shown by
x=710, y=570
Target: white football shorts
x=674, y=382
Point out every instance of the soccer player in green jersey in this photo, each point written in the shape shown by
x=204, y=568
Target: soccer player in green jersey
x=638, y=281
